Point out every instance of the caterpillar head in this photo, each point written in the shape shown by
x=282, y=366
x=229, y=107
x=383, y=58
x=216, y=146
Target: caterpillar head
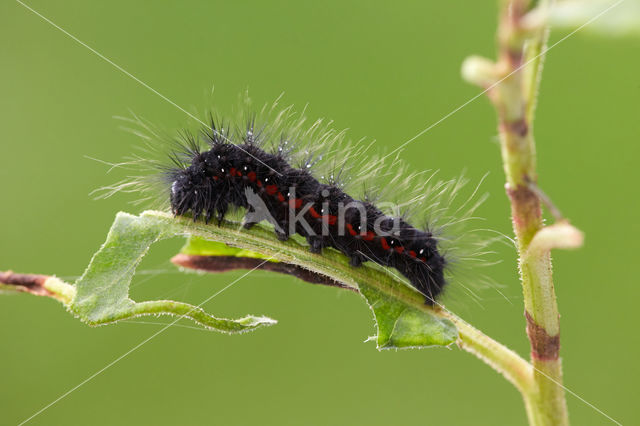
x=192, y=188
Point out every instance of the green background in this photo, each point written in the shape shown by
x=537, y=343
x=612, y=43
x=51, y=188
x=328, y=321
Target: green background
x=385, y=70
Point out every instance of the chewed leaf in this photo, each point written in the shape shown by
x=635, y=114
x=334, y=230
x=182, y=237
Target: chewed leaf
x=102, y=293
x=401, y=326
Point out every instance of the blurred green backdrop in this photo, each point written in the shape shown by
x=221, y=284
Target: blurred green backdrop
x=386, y=70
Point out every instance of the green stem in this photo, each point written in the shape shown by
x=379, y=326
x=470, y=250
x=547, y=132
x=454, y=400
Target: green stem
x=515, y=369
x=514, y=100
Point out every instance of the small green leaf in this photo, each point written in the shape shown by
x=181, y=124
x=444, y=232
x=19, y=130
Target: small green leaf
x=402, y=326
x=102, y=293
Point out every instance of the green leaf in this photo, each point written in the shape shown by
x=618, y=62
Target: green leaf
x=401, y=326
x=402, y=318
x=102, y=293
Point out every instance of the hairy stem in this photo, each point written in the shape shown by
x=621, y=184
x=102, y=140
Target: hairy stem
x=521, y=54
x=515, y=369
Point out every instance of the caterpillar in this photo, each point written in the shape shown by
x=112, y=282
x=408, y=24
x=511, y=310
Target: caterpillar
x=306, y=179
x=206, y=183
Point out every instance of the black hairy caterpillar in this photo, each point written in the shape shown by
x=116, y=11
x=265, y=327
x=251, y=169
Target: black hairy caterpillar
x=307, y=179
x=207, y=183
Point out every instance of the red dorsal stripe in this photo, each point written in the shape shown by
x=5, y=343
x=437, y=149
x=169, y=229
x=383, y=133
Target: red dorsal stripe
x=400, y=249
x=271, y=189
x=314, y=213
x=252, y=176
x=331, y=219
x=351, y=230
x=295, y=203
x=384, y=244
x=412, y=253
x=369, y=236
x=280, y=197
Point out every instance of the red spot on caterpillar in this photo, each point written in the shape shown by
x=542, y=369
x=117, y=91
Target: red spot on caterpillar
x=331, y=219
x=314, y=213
x=280, y=197
x=233, y=171
x=260, y=184
x=351, y=230
x=295, y=203
x=412, y=253
x=384, y=244
x=271, y=189
x=399, y=249
x=216, y=178
x=424, y=259
x=369, y=236
x=252, y=176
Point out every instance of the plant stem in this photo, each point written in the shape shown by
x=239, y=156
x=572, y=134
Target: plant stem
x=331, y=264
x=514, y=99
x=502, y=359
x=39, y=285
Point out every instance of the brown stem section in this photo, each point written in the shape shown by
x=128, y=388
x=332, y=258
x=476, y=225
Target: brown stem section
x=543, y=346
x=216, y=264
x=525, y=212
x=28, y=283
